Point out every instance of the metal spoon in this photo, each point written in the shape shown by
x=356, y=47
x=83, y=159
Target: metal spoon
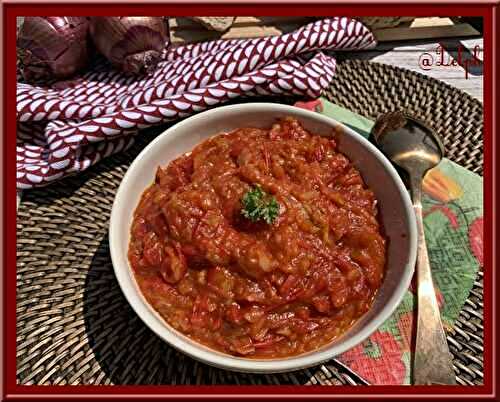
x=414, y=147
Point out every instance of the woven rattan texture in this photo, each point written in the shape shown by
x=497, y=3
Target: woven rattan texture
x=75, y=327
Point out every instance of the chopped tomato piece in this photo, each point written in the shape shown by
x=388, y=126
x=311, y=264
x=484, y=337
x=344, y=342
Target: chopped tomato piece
x=222, y=281
x=242, y=345
x=268, y=342
x=234, y=313
x=174, y=265
x=139, y=228
x=289, y=287
x=322, y=304
x=304, y=327
x=153, y=250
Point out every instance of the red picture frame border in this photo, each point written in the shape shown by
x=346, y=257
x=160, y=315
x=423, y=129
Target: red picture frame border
x=11, y=9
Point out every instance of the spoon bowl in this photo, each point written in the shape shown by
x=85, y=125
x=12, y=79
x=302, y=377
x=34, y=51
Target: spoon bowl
x=408, y=142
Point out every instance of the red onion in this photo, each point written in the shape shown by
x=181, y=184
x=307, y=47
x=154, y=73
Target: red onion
x=52, y=47
x=132, y=44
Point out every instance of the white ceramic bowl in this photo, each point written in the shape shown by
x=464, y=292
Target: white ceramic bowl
x=394, y=205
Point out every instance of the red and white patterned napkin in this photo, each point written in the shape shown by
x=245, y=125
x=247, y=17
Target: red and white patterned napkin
x=64, y=131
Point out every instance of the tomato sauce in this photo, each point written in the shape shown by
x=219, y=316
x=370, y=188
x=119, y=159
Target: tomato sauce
x=255, y=289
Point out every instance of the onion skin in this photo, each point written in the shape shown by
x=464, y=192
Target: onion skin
x=52, y=47
x=132, y=44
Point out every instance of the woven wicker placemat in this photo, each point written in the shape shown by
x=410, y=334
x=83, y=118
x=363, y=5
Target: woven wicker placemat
x=74, y=326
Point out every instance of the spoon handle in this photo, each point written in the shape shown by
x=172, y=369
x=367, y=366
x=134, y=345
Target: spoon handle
x=433, y=361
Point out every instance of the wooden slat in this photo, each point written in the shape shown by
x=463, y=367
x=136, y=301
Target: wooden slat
x=424, y=32
x=184, y=30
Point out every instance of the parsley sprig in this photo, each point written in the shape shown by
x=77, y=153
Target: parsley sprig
x=258, y=205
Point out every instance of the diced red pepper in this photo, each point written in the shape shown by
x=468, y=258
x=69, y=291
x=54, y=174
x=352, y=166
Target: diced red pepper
x=268, y=341
x=158, y=224
x=234, y=314
x=322, y=304
x=242, y=345
x=288, y=288
x=139, y=228
x=236, y=148
x=304, y=327
x=221, y=280
x=153, y=250
x=303, y=312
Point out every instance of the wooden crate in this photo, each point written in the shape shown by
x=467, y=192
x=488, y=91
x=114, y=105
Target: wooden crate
x=184, y=30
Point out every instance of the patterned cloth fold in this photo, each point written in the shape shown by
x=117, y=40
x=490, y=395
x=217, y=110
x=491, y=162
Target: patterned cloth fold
x=64, y=131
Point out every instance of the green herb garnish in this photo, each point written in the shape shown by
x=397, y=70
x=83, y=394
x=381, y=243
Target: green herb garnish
x=258, y=205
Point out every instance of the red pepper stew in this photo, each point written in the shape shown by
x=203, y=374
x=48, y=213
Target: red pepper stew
x=255, y=289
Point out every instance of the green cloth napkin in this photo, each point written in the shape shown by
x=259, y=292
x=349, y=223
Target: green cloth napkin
x=453, y=219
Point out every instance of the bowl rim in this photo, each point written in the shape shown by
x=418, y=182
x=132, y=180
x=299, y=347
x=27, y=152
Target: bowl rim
x=212, y=357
